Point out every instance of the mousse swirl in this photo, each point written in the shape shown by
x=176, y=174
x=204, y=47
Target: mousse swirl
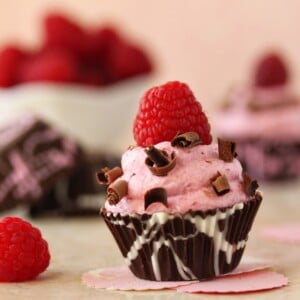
x=188, y=184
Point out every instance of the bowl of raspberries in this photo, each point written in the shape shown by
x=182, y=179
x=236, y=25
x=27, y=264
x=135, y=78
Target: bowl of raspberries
x=84, y=81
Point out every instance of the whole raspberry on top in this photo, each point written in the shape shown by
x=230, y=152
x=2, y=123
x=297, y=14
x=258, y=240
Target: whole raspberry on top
x=167, y=110
x=23, y=252
x=271, y=71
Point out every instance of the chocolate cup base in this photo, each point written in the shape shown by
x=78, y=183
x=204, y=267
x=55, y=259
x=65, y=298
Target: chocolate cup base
x=177, y=250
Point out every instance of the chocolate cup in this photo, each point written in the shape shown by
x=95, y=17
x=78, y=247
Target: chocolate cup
x=175, y=247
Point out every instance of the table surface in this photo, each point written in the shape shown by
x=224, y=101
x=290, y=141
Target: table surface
x=78, y=245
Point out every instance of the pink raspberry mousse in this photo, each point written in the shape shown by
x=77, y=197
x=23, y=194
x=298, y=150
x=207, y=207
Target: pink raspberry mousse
x=188, y=184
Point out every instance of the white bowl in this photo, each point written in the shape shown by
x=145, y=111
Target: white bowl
x=100, y=119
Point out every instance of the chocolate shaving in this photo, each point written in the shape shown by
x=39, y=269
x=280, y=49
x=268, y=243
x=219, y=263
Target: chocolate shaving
x=158, y=161
x=220, y=184
x=226, y=150
x=107, y=176
x=250, y=186
x=157, y=156
x=116, y=191
x=258, y=195
x=155, y=195
x=185, y=140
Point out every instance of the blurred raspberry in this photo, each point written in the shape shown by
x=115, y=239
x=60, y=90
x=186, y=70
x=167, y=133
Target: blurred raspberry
x=24, y=253
x=55, y=65
x=62, y=32
x=99, y=42
x=92, y=76
x=97, y=56
x=271, y=71
x=127, y=60
x=10, y=59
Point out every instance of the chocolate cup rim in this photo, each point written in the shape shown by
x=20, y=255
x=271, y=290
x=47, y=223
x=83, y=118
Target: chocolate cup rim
x=257, y=197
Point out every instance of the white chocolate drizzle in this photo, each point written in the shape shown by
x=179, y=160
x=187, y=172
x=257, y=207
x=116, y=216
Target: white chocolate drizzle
x=207, y=225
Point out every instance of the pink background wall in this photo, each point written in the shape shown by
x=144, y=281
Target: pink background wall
x=209, y=44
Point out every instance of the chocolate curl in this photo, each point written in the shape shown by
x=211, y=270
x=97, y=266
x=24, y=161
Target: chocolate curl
x=250, y=186
x=116, y=191
x=226, y=150
x=158, y=161
x=107, y=176
x=155, y=195
x=158, y=157
x=185, y=140
x=220, y=184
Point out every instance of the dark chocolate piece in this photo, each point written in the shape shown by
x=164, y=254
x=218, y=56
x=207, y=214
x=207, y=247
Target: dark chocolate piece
x=226, y=150
x=185, y=140
x=32, y=157
x=250, y=186
x=116, y=191
x=156, y=156
x=100, y=176
x=155, y=195
x=158, y=161
x=220, y=184
x=258, y=195
x=107, y=176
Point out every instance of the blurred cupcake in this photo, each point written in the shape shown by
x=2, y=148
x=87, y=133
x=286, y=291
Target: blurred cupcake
x=179, y=208
x=263, y=119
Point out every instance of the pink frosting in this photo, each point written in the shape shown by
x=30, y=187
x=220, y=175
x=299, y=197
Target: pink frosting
x=273, y=123
x=188, y=184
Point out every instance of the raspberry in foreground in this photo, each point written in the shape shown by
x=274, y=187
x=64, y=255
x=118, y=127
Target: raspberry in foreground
x=271, y=71
x=167, y=110
x=24, y=253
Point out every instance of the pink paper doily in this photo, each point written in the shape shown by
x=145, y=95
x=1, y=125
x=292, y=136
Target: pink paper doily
x=121, y=278
x=249, y=276
x=285, y=233
x=239, y=283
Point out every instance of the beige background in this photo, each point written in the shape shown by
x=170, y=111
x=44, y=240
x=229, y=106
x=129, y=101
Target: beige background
x=209, y=44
